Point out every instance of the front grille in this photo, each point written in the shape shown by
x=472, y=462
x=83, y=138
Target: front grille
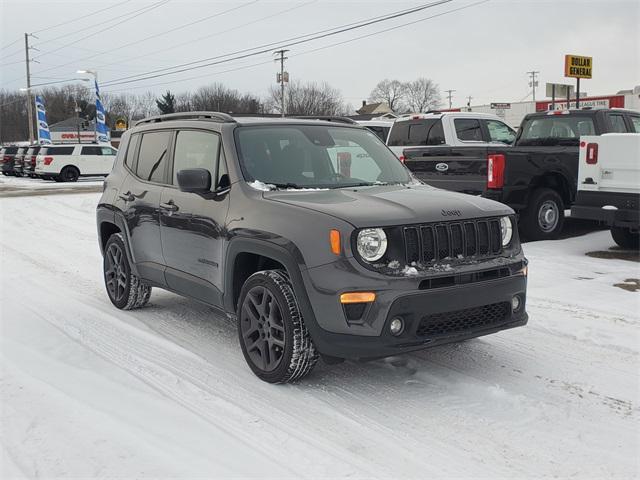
x=435, y=242
x=461, y=321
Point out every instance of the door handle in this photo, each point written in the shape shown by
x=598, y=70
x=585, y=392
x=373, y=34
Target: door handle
x=170, y=206
x=127, y=197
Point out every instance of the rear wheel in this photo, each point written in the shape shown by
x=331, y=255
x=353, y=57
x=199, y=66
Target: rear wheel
x=274, y=339
x=126, y=290
x=544, y=217
x=69, y=174
x=626, y=238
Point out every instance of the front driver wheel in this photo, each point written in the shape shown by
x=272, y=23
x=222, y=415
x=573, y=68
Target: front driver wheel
x=274, y=339
x=126, y=290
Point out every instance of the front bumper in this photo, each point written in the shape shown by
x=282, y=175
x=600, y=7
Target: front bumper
x=419, y=306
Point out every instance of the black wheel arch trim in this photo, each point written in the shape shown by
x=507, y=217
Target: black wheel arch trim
x=108, y=214
x=290, y=257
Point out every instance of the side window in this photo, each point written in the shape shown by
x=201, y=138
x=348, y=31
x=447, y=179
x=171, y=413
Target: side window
x=399, y=135
x=195, y=149
x=131, y=151
x=91, y=151
x=617, y=123
x=468, y=129
x=107, y=151
x=635, y=120
x=436, y=134
x=152, y=158
x=499, y=132
x=60, y=151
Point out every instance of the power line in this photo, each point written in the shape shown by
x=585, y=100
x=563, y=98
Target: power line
x=82, y=17
x=267, y=48
x=139, y=12
x=214, y=34
x=9, y=44
x=295, y=55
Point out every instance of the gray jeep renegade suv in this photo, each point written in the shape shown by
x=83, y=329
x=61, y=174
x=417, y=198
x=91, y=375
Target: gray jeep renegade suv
x=311, y=234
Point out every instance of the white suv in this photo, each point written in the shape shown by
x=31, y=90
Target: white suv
x=455, y=129
x=68, y=162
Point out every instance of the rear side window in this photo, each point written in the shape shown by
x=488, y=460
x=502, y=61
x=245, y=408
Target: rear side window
x=381, y=132
x=58, y=151
x=131, y=151
x=617, y=123
x=195, y=149
x=555, y=130
x=152, y=158
x=11, y=150
x=422, y=132
x=635, y=121
x=468, y=129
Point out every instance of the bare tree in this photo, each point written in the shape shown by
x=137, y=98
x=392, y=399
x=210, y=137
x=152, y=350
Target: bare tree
x=422, y=95
x=218, y=97
x=307, y=99
x=391, y=92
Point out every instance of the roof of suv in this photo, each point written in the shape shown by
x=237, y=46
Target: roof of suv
x=248, y=120
x=419, y=116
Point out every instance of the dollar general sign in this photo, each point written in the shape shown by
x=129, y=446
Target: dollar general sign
x=577, y=67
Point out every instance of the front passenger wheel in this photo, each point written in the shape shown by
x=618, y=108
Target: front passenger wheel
x=274, y=339
x=625, y=238
x=126, y=290
x=69, y=174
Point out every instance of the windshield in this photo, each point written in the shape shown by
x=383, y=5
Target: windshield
x=556, y=130
x=316, y=156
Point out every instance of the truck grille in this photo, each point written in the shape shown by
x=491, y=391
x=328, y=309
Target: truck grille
x=435, y=242
x=461, y=321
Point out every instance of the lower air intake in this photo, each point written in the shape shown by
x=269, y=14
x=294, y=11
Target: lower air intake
x=461, y=321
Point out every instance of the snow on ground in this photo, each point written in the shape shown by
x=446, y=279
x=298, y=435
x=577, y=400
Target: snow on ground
x=88, y=390
x=16, y=186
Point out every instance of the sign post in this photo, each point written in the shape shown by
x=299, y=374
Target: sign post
x=576, y=66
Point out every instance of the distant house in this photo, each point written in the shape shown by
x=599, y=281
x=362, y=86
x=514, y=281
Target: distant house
x=375, y=109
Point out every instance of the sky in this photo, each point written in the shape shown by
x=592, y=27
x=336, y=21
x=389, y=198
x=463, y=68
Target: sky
x=483, y=50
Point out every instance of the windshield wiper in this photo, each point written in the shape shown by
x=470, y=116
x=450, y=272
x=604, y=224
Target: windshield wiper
x=286, y=185
x=361, y=184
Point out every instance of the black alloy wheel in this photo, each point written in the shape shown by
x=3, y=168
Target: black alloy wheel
x=116, y=273
x=263, y=330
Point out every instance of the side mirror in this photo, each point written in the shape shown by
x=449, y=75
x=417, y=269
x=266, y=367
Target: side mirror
x=194, y=180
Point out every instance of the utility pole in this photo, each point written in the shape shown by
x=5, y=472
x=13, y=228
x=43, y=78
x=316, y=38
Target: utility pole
x=281, y=77
x=450, y=94
x=533, y=83
x=29, y=105
x=469, y=103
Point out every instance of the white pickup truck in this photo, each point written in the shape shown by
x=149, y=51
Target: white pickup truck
x=454, y=129
x=609, y=185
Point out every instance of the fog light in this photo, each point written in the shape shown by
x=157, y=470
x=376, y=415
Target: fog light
x=396, y=326
x=515, y=303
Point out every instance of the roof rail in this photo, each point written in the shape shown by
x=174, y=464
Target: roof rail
x=214, y=116
x=326, y=118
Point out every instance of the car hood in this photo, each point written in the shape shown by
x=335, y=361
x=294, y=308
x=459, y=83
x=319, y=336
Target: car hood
x=391, y=204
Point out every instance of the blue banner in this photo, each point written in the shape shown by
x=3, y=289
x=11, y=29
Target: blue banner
x=44, y=136
x=102, y=131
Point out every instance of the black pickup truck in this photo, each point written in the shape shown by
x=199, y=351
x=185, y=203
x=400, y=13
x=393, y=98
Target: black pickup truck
x=537, y=176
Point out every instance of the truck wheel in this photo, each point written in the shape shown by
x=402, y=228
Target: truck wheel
x=626, y=238
x=274, y=339
x=69, y=174
x=126, y=290
x=544, y=217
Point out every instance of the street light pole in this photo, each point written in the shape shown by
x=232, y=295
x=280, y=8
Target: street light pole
x=95, y=121
x=29, y=106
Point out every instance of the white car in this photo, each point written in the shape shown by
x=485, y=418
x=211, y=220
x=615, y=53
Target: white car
x=380, y=127
x=68, y=162
x=454, y=129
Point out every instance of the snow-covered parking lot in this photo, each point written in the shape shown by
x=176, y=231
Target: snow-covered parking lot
x=91, y=391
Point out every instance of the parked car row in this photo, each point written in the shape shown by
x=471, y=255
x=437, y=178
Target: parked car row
x=62, y=163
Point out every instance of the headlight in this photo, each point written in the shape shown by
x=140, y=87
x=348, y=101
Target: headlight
x=372, y=243
x=506, y=229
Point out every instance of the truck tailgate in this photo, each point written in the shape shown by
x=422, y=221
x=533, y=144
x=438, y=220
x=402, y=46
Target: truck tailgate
x=460, y=169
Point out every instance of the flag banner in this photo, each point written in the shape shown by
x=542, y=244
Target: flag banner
x=102, y=131
x=44, y=136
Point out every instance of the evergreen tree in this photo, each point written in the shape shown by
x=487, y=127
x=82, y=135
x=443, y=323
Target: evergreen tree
x=167, y=103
